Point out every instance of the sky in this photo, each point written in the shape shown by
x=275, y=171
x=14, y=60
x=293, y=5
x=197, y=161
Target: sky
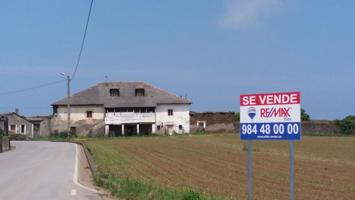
x=211, y=51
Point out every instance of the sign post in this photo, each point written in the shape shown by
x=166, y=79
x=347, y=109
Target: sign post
x=271, y=116
x=292, y=170
x=250, y=170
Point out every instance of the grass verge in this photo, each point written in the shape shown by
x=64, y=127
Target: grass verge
x=127, y=188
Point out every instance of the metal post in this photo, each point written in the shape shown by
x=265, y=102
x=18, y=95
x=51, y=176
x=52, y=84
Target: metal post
x=250, y=170
x=292, y=170
x=68, y=97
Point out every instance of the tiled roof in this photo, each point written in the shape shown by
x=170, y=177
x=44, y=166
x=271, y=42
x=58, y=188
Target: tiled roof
x=100, y=95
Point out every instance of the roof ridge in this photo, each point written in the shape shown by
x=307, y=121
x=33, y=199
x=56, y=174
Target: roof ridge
x=101, y=83
x=179, y=97
x=98, y=94
x=77, y=93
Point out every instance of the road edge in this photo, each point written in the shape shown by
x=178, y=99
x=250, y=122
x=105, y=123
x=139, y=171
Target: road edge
x=76, y=172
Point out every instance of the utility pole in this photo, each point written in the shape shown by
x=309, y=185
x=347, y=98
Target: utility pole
x=68, y=102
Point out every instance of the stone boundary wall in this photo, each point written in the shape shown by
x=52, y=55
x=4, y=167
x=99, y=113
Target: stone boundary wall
x=4, y=144
x=212, y=122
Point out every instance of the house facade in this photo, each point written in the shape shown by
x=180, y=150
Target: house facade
x=123, y=109
x=41, y=125
x=18, y=124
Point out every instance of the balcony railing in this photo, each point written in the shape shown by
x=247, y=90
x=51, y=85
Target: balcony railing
x=129, y=117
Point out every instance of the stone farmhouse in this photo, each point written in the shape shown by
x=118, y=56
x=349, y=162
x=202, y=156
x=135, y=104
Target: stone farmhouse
x=123, y=109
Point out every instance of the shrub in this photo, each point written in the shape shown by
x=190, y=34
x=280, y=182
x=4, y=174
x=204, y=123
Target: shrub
x=347, y=125
x=304, y=115
x=2, y=132
x=237, y=116
x=191, y=195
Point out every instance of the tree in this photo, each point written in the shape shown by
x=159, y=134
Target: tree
x=304, y=115
x=347, y=125
x=237, y=116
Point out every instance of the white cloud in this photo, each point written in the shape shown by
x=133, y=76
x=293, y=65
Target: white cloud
x=245, y=14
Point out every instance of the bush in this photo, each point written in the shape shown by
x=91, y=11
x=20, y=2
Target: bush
x=2, y=132
x=347, y=125
x=191, y=195
x=237, y=116
x=304, y=115
x=62, y=135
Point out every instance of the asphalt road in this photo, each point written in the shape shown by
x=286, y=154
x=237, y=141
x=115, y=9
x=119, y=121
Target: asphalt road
x=41, y=171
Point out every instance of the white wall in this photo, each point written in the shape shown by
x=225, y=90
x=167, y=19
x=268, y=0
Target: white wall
x=79, y=112
x=181, y=116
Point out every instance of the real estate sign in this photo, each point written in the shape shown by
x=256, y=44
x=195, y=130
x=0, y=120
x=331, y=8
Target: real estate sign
x=273, y=116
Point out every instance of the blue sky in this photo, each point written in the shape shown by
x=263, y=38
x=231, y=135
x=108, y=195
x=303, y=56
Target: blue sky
x=213, y=51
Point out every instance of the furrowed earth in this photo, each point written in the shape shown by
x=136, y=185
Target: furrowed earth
x=216, y=165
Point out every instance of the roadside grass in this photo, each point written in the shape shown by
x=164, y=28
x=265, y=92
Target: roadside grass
x=127, y=188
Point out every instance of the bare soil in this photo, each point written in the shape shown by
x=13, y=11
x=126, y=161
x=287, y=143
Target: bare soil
x=217, y=165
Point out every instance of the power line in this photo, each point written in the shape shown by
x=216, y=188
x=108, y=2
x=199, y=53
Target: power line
x=76, y=65
x=82, y=41
x=31, y=88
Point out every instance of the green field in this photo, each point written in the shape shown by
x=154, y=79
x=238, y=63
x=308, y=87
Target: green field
x=201, y=166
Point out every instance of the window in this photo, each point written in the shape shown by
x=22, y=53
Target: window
x=140, y=92
x=110, y=110
x=151, y=110
x=170, y=112
x=55, y=109
x=89, y=114
x=114, y=92
x=13, y=127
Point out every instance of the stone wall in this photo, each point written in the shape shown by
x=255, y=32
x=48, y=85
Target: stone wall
x=320, y=128
x=83, y=127
x=45, y=127
x=4, y=143
x=212, y=122
x=4, y=124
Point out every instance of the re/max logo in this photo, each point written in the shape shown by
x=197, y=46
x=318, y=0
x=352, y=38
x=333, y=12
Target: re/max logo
x=275, y=112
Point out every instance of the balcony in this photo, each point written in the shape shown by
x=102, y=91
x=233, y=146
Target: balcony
x=129, y=118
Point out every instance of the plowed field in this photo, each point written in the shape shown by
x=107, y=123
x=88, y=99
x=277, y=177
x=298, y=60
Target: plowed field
x=217, y=165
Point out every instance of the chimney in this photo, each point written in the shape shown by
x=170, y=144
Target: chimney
x=17, y=111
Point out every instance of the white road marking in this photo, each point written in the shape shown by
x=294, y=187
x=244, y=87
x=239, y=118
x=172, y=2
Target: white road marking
x=73, y=192
x=75, y=177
